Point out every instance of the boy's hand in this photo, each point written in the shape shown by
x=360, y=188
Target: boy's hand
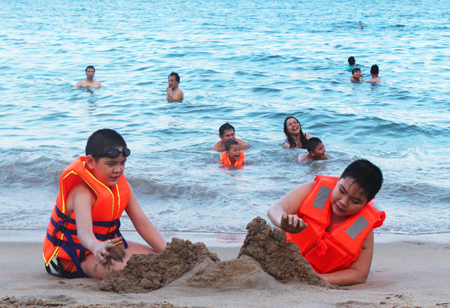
x=292, y=223
x=102, y=249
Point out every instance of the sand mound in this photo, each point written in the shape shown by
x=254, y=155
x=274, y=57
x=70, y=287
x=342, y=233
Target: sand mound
x=279, y=259
x=264, y=250
x=243, y=273
x=144, y=273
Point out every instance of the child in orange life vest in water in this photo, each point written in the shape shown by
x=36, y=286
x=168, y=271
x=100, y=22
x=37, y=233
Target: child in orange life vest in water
x=332, y=222
x=316, y=150
x=84, y=225
x=232, y=156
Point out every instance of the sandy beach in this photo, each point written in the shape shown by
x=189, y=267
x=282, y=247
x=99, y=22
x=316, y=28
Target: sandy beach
x=404, y=273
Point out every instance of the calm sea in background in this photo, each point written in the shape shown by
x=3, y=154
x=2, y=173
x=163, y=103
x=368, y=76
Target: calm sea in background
x=250, y=63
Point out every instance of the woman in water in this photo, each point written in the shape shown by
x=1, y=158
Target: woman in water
x=295, y=137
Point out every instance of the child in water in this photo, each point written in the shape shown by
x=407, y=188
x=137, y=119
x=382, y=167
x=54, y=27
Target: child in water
x=84, y=226
x=316, y=150
x=332, y=221
x=356, y=75
x=232, y=156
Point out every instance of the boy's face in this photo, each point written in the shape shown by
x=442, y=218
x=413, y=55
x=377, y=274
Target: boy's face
x=319, y=152
x=234, y=152
x=357, y=74
x=107, y=170
x=347, y=199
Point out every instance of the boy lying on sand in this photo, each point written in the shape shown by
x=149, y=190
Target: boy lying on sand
x=332, y=221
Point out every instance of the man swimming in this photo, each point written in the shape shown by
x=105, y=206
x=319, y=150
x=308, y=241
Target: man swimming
x=89, y=81
x=226, y=133
x=174, y=93
x=374, y=70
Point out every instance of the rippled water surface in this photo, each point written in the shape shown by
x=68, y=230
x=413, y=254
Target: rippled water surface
x=252, y=63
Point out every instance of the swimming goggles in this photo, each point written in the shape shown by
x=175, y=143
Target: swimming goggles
x=114, y=153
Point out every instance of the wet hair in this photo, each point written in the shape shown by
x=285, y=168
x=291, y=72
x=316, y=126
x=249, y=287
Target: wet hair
x=225, y=127
x=355, y=70
x=374, y=69
x=103, y=140
x=312, y=144
x=351, y=61
x=90, y=66
x=366, y=176
x=177, y=77
x=229, y=144
x=291, y=141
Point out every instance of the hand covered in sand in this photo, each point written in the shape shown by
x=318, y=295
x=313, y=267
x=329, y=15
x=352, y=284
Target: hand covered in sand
x=102, y=249
x=292, y=223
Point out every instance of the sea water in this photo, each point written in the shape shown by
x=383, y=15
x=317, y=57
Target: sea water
x=250, y=63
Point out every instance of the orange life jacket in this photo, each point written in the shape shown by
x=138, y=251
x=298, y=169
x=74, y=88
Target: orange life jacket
x=62, y=240
x=225, y=160
x=335, y=251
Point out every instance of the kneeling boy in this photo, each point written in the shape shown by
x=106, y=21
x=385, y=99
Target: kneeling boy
x=84, y=226
x=332, y=221
x=232, y=156
x=316, y=150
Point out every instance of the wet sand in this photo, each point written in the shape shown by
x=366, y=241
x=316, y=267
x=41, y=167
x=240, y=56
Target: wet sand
x=404, y=273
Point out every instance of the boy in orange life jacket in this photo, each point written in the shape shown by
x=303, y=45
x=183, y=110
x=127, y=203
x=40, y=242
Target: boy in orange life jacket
x=332, y=222
x=84, y=225
x=232, y=156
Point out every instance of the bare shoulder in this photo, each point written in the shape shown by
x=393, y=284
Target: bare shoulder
x=98, y=84
x=80, y=83
x=308, y=136
x=217, y=147
x=242, y=143
x=80, y=193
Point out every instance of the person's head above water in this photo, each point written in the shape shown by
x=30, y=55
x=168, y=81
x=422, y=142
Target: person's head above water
x=177, y=77
x=229, y=144
x=90, y=72
x=316, y=149
x=291, y=127
x=374, y=70
x=226, y=127
x=106, y=143
x=351, y=61
x=367, y=177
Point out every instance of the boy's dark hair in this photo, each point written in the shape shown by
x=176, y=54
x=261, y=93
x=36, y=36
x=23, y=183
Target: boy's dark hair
x=312, y=144
x=230, y=143
x=103, y=140
x=355, y=70
x=351, y=61
x=90, y=66
x=225, y=127
x=177, y=77
x=374, y=69
x=291, y=141
x=366, y=176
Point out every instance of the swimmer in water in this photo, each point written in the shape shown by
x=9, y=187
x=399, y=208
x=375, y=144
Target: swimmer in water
x=89, y=81
x=361, y=27
x=351, y=63
x=316, y=150
x=174, y=93
x=356, y=75
x=232, y=156
x=226, y=133
x=374, y=70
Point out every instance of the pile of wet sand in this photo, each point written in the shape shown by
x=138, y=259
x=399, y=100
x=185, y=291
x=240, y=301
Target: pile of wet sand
x=144, y=273
x=277, y=257
x=264, y=252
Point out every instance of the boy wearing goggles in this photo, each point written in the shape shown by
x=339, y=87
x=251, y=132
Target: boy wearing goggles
x=84, y=226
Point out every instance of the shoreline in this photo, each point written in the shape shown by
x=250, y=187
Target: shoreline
x=217, y=239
